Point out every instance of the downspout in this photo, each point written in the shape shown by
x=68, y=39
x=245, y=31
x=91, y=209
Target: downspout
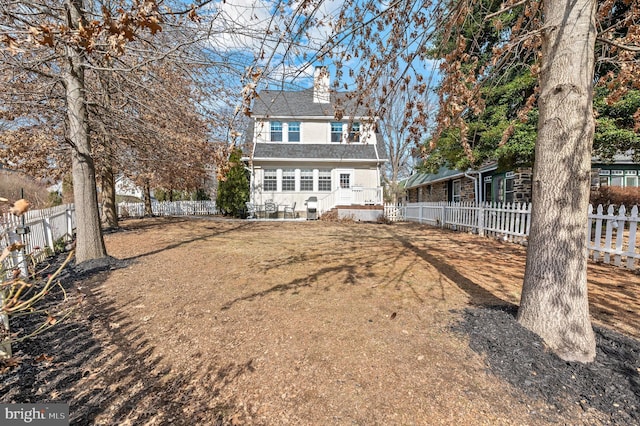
x=379, y=181
x=475, y=185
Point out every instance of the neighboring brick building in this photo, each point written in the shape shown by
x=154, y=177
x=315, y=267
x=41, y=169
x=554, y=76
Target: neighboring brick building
x=487, y=184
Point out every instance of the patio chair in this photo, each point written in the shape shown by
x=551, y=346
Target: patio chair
x=251, y=210
x=270, y=208
x=290, y=209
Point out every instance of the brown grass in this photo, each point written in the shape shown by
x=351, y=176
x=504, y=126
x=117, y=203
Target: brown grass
x=316, y=323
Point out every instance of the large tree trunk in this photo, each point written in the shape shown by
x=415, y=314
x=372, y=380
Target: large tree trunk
x=109, y=209
x=89, y=241
x=554, y=300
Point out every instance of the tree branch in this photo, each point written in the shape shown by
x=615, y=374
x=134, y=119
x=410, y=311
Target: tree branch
x=619, y=45
x=506, y=9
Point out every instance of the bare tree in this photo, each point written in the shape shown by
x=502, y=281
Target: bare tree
x=397, y=143
x=50, y=43
x=67, y=63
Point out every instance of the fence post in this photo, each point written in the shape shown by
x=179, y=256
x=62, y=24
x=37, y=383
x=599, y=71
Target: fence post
x=443, y=215
x=633, y=228
x=69, y=222
x=48, y=232
x=481, y=219
x=18, y=256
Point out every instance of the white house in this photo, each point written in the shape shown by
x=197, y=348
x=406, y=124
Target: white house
x=300, y=150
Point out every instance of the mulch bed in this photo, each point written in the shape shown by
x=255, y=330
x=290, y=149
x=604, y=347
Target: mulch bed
x=610, y=384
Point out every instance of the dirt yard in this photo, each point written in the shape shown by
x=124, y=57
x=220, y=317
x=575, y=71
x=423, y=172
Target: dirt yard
x=210, y=321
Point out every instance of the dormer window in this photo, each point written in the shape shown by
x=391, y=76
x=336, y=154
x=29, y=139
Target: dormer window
x=294, y=131
x=276, y=131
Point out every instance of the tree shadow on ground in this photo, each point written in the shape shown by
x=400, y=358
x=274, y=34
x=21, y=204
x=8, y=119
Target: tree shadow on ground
x=478, y=295
x=216, y=232
x=100, y=363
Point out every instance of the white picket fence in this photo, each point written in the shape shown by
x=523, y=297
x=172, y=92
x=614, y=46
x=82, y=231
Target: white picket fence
x=169, y=208
x=612, y=237
x=38, y=230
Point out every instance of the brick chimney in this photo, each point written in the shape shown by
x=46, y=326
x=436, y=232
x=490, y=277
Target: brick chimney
x=321, y=86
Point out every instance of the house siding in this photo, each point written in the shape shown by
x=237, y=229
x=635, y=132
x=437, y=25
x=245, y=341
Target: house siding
x=357, y=162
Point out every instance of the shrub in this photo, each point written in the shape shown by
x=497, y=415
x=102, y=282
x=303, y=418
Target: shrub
x=615, y=196
x=233, y=191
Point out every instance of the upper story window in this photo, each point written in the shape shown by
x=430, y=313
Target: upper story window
x=276, y=131
x=293, y=131
x=285, y=132
x=336, y=132
x=354, y=134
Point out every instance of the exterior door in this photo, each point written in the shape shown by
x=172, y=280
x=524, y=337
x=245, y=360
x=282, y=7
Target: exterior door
x=345, y=182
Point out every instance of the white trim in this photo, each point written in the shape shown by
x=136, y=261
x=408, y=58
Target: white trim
x=319, y=160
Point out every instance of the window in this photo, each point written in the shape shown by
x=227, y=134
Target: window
x=631, y=181
x=306, y=180
x=455, y=194
x=623, y=178
x=487, y=189
x=616, y=181
x=336, y=132
x=288, y=180
x=324, y=180
x=270, y=180
x=345, y=180
x=276, y=131
x=293, y=131
x=354, y=134
x=508, y=190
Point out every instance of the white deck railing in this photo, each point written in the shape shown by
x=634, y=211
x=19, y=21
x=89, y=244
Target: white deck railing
x=354, y=196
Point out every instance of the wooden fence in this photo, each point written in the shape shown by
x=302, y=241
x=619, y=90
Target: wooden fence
x=38, y=230
x=169, y=208
x=612, y=237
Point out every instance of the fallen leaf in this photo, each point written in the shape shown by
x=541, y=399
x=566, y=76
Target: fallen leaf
x=20, y=207
x=10, y=362
x=43, y=358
